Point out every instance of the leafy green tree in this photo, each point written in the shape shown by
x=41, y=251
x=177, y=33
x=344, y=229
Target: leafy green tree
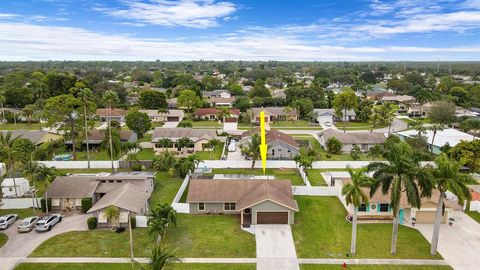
x=252, y=148
x=189, y=100
x=139, y=122
x=9, y=154
x=110, y=98
x=30, y=171
x=211, y=83
x=468, y=153
x=152, y=100
x=259, y=90
x=223, y=112
x=164, y=161
x=334, y=146
x=347, y=100
x=46, y=174
x=401, y=176
x=387, y=114
x=184, y=143
x=236, y=89
x=304, y=107
x=355, y=152
x=354, y=194
x=242, y=103
x=442, y=112
x=375, y=151
x=185, y=124
x=447, y=177
x=2, y=102
x=472, y=124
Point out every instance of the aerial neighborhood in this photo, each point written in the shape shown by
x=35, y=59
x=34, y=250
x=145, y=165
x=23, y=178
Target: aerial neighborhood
x=239, y=135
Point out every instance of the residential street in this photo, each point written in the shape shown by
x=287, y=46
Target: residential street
x=459, y=244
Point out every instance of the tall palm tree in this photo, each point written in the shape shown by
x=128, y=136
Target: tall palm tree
x=86, y=95
x=2, y=102
x=112, y=214
x=30, y=170
x=159, y=259
x=287, y=110
x=184, y=143
x=435, y=128
x=389, y=110
x=9, y=154
x=223, y=113
x=46, y=174
x=447, y=176
x=401, y=176
x=159, y=218
x=165, y=142
x=110, y=98
x=354, y=194
x=252, y=148
x=419, y=127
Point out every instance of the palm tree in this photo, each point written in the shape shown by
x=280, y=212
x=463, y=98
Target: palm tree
x=30, y=170
x=9, y=154
x=435, y=128
x=112, y=214
x=110, y=98
x=46, y=174
x=389, y=110
x=447, y=176
x=223, y=112
x=212, y=145
x=252, y=148
x=2, y=102
x=354, y=194
x=287, y=110
x=164, y=161
x=159, y=259
x=163, y=111
x=86, y=95
x=159, y=218
x=422, y=97
x=401, y=176
x=165, y=142
x=184, y=143
x=419, y=127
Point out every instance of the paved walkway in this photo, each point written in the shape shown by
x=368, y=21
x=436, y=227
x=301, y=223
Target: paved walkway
x=458, y=244
x=20, y=246
x=275, y=248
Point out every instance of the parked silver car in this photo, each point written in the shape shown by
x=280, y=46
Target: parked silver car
x=27, y=224
x=7, y=220
x=47, y=222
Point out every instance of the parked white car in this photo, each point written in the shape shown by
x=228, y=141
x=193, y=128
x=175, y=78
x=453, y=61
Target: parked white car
x=47, y=222
x=28, y=224
x=7, y=221
x=328, y=124
x=232, y=146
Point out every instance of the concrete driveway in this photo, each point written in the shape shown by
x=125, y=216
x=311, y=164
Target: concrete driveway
x=170, y=125
x=275, y=248
x=20, y=245
x=459, y=244
x=237, y=155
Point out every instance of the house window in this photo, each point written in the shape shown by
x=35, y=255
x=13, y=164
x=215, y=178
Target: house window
x=229, y=206
x=110, y=181
x=383, y=207
x=201, y=206
x=103, y=181
x=119, y=181
x=362, y=207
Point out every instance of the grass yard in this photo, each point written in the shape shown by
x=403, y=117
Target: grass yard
x=373, y=267
x=315, y=178
x=146, y=138
x=96, y=243
x=210, y=236
x=216, y=154
x=3, y=239
x=127, y=266
x=27, y=126
x=290, y=174
x=206, y=124
x=145, y=154
x=166, y=188
x=297, y=123
x=22, y=213
x=357, y=125
x=474, y=215
x=321, y=231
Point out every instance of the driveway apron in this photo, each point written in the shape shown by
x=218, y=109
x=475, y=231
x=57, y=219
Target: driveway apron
x=275, y=248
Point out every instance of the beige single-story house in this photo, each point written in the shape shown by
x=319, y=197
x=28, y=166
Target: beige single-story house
x=212, y=113
x=254, y=201
x=219, y=93
x=199, y=137
x=114, y=114
x=37, y=137
x=280, y=145
x=273, y=114
x=364, y=140
x=97, y=136
x=221, y=102
x=169, y=116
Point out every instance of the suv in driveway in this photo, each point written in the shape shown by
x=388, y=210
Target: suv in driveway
x=47, y=222
x=7, y=220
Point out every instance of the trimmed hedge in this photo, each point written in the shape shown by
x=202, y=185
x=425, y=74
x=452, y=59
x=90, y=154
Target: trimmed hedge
x=92, y=223
x=136, y=167
x=86, y=204
x=43, y=203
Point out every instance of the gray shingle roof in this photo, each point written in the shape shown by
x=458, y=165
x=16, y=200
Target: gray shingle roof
x=354, y=137
x=177, y=133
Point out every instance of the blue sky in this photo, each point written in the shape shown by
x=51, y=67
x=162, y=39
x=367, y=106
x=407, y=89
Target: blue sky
x=339, y=30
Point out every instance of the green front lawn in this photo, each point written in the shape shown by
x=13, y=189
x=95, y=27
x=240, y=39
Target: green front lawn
x=297, y=123
x=22, y=213
x=315, y=178
x=127, y=266
x=216, y=154
x=3, y=239
x=96, y=243
x=474, y=214
x=373, y=267
x=357, y=125
x=208, y=236
x=289, y=174
x=27, y=126
x=206, y=124
x=166, y=188
x=146, y=138
x=321, y=231
x=145, y=154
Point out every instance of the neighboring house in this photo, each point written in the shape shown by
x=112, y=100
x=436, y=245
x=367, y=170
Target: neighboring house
x=280, y=145
x=403, y=101
x=461, y=112
x=448, y=136
x=129, y=191
x=417, y=110
x=379, y=209
x=115, y=115
x=217, y=94
x=329, y=115
x=255, y=201
x=199, y=137
x=475, y=192
x=247, y=88
x=379, y=95
x=35, y=136
x=97, y=136
x=272, y=114
x=8, y=187
x=221, y=102
x=169, y=116
x=364, y=140
x=212, y=113
x=172, y=103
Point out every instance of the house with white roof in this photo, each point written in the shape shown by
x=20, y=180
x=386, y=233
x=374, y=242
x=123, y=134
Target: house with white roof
x=449, y=136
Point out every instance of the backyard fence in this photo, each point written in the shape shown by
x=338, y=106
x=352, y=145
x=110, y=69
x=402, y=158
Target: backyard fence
x=141, y=221
x=81, y=164
x=19, y=203
x=304, y=176
x=176, y=204
x=474, y=206
x=314, y=191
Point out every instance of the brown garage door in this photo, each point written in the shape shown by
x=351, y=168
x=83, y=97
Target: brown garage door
x=272, y=218
x=173, y=119
x=427, y=217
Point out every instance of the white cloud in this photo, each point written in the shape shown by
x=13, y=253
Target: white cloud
x=20, y=41
x=188, y=13
x=7, y=16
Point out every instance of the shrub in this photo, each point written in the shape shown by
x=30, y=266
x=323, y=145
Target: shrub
x=355, y=153
x=184, y=124
x=133, y=222
x=43, y=203
x=136, y=167
x=334, y=146
x=92, y=223
x=86, y=204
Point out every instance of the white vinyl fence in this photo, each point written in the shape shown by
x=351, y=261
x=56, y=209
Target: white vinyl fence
x=474, y=206
x=19, y=203
x=314, y=191
x=81, y=164
x=181, y=207
x=141, y=221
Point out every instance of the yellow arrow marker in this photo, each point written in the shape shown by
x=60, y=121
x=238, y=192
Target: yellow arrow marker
x=263, y=144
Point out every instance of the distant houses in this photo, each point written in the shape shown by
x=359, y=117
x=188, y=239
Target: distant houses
x=448, y=136
x=273, y=114
x=211, y=114
x=37, y=137
x=329, y=115
x=364, y=140
x=168, y=116
x=114, y=114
